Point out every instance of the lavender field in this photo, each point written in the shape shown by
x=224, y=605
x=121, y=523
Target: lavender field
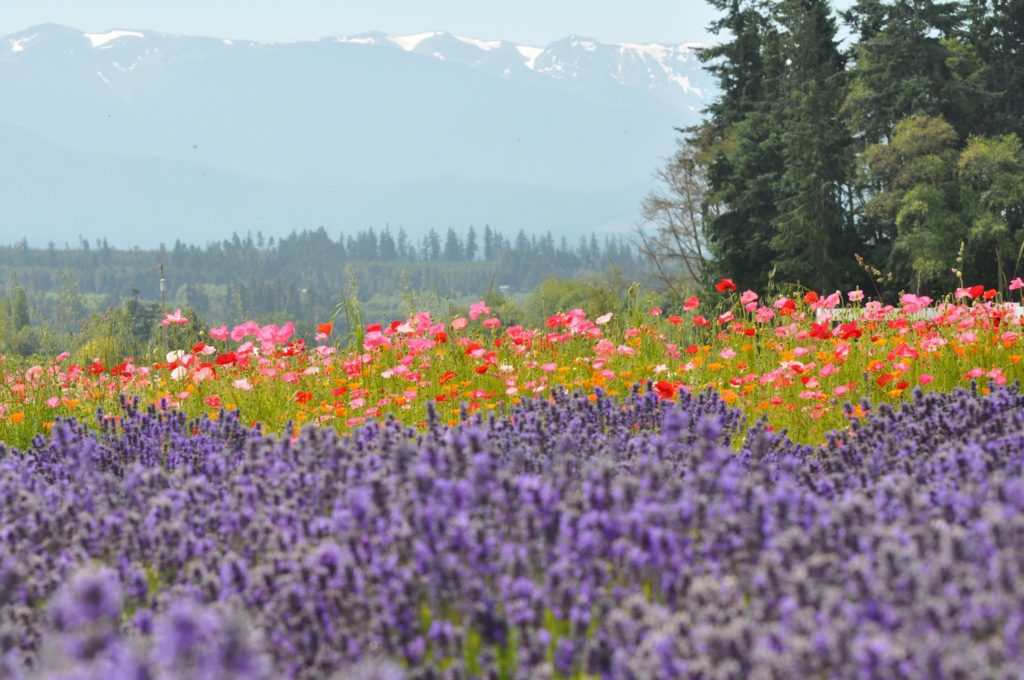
x=566, y=539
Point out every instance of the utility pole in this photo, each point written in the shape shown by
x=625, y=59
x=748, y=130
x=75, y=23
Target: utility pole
x=163, y=287
x=163, y=303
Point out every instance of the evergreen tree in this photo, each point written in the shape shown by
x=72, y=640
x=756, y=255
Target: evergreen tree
x=490, y=246
x=386, y=246
x=366, y=245
x=19, y=309
x=903, y=66
x=431, y=247
x=452, y=247
x=995, y=31
x=740, y=143
x=471, y=244
x=809, y=240
x=403, y=248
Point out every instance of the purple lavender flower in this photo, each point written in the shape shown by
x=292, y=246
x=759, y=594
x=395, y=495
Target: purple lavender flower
x=635, y=538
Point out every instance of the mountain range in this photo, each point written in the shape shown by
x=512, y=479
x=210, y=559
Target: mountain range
x=142, y=137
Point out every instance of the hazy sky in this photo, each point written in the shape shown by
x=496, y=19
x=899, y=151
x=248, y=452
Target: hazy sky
x=535, y=22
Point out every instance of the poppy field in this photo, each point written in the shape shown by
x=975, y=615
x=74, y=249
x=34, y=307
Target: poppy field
x=795, y=360
x=797, y=486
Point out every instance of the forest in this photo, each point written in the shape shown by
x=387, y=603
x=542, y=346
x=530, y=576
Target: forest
x=879, y=147
x=54, y=299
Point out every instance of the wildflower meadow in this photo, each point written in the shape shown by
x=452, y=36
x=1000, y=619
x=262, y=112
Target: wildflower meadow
x=741, y=486
x=794, y=360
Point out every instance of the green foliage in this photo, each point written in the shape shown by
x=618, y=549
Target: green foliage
x=900, y=158
x=302, y=278
x=992, y=171
x=19, y=309
x=740, y=143
x=920, y=204
x=597, y=295
x=995, y=31
x=908, y=63
x=16, y=333
x=816, y=148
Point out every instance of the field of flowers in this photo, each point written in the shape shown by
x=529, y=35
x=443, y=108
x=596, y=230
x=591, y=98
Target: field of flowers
x=595, y=499
x=794, y=360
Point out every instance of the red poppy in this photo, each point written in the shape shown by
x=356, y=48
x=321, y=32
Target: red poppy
x=664, y=389
x=325, y=328
x=849, y=330
x=820, y=331
x=445, y=377
x=811, y=297
x=303, y=397
x=121, y=370
x=724, y=285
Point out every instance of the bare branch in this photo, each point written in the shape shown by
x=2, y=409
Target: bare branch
x=672, y=236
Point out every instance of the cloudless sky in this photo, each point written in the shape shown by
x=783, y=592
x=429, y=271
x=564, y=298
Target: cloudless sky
x=535, y=22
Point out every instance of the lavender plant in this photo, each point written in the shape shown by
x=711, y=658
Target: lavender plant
x=571, y=538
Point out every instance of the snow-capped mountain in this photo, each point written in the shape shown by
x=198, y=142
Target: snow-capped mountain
x=671, y=72
x=354, y=112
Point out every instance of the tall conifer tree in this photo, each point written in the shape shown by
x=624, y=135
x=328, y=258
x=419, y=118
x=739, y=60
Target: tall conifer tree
x=905, y=54
x=809, y=236
x=739, y=142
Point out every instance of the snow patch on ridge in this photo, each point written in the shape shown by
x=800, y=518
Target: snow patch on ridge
x=365, y=40
x=409, y=42
x=19, y=45
x=485, y=45
x=101, y=39
x=530, y=54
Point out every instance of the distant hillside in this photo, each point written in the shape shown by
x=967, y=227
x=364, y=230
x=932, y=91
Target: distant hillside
x=425, y=130
x=51, y=193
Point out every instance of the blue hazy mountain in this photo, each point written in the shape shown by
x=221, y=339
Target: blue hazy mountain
x=127, y=132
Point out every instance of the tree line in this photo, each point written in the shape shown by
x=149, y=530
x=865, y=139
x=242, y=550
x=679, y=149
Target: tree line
x=57, y=298
x=891, y=162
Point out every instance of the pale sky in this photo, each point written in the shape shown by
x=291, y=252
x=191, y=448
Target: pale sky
x=534, y=22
